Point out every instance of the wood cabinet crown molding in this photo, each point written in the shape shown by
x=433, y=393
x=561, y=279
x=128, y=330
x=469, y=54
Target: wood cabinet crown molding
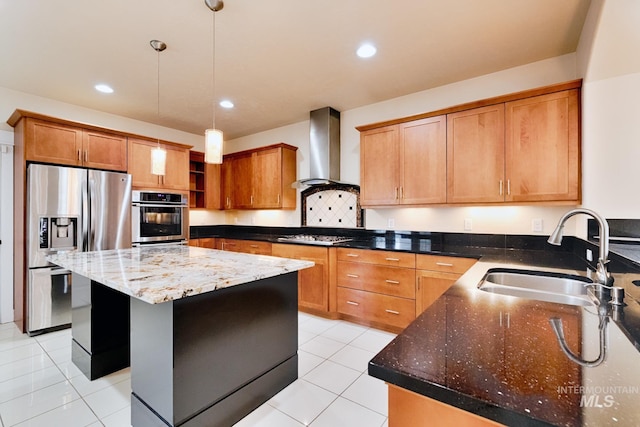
x=19, y=114
x=559, y=87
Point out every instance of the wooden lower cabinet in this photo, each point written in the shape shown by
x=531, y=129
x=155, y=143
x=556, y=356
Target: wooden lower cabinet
x=434, y=275
x=376, y=287
x=205, y=242
x=313, y=282
x=376, y=309
x=409, y=409
x=255, y=247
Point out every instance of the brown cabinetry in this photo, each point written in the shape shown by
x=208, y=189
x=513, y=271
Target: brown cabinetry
x=313, y=283
x=376, y=287
x=255, y=247
x=517, y=148
x=204, y=242
x=404, y=164
x=63, y=144
x=261, y=178
x=177, y=167
x=204, y=183
x=434, y=275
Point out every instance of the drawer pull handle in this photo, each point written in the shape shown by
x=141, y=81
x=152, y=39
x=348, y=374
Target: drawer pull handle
x=444, y=264
x=353, y=255
x=393, y=259
x=254, y=246
x=392, y=311
x=392, y=282
x=355, y=276
x=352, y=303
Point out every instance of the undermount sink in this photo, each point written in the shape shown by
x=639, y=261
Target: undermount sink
x=538, y=285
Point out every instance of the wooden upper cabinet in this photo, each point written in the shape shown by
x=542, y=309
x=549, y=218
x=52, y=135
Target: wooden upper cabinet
x=104, y=151
x=517, y=148
x=177, y=166
x=62, y=144
x=475, y=155
x=260, y=178
x=543, y=148
x=404, y=164
x=379, y=166
x=423, y=161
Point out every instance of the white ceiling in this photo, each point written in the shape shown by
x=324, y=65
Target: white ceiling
x=275, y=60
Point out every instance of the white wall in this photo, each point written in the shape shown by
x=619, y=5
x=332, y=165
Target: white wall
x=6, y=226
x=607, y=57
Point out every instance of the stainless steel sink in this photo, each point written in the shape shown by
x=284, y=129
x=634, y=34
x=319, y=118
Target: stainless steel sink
x=538, y=285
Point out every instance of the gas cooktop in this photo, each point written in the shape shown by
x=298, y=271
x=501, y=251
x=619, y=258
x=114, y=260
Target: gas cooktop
x=313, y=239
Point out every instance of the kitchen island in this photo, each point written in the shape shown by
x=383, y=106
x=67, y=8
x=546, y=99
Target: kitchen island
x=213, y=334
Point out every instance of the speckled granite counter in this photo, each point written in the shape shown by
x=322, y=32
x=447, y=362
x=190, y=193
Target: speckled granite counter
x=497, y=356
x=159, y=274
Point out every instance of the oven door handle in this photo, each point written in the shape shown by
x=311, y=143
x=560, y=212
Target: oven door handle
x=156, y=205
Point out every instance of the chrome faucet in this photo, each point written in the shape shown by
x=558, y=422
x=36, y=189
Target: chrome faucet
x=602, y=275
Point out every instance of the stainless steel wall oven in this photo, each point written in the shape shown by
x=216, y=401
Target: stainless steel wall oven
x=158, y=217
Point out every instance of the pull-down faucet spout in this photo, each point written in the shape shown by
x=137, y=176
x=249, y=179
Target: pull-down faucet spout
x=602, y=275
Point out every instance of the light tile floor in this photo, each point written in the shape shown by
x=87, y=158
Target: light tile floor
x=40, y=386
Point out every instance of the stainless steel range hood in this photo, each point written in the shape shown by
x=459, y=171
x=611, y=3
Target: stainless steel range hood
x=324, y=148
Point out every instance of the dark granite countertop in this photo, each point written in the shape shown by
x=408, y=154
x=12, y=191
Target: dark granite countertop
x=497, y=356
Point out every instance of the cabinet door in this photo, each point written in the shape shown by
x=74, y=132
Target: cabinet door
x=213, y=186
x=543, y=148
x=52, y=143
x=104, y=151
x=430, y=285
x=227, y=183
x=475, y=155
x=423, y=161
x=379, y=166
x=267, y=179
x=242, y=182
x=313, y=283
x=177, y=172
x=140, y=164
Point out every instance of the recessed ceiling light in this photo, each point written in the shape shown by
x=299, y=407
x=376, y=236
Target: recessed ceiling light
x=226, y=104
x=103, y=88
x=366, y=50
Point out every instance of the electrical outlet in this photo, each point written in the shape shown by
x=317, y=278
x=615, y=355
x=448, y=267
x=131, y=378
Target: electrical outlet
x=468, y=224
x=536, y=225
x=391, y=223
x=589, y=255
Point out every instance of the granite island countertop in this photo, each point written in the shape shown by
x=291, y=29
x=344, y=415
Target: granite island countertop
x=157, y=274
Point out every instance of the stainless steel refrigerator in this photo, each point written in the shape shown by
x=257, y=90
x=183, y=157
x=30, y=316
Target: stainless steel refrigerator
x=69, y=209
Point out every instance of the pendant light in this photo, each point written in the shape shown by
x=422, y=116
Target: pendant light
x=213, y=137
x=158, y=154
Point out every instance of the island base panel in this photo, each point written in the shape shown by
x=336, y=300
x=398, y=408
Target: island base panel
x=99, y=327
x=229, y=410
x=211, y=358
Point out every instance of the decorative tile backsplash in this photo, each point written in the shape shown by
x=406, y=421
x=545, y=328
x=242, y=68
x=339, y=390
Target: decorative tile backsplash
x=332, y=206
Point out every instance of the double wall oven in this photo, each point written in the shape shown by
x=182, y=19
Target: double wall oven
x=158, y=218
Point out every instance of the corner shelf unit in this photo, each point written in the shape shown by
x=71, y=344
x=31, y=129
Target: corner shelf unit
x=196, y=180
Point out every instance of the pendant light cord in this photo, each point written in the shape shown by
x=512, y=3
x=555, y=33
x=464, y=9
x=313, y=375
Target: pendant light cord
x=213, y=69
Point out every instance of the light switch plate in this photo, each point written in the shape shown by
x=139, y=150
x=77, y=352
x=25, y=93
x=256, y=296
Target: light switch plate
x=536, y=225
x=468, y=224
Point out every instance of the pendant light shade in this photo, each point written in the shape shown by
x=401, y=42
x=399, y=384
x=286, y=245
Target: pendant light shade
x=213, y=139
x=158, y=161
x=158, y=154
x=213, y=146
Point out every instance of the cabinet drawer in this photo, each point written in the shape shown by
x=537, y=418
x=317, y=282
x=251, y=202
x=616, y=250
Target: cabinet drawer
x=247, y=246
x=447, y=264
x=392, y=311
x=382, y=279
x=395, y=259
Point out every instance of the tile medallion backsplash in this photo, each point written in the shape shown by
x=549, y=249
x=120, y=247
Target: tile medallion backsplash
x=336, y=205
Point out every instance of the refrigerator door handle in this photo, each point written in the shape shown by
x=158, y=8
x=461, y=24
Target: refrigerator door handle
x=85, y=215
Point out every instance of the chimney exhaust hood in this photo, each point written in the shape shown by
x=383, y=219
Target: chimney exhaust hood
x=324, y=148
